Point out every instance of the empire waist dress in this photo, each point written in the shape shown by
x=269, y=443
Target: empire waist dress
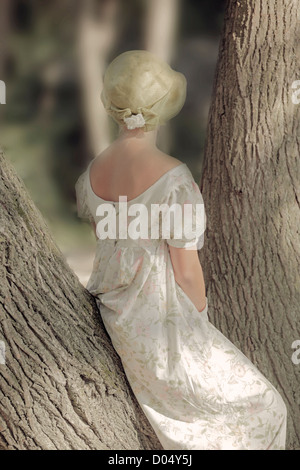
x=196, y=388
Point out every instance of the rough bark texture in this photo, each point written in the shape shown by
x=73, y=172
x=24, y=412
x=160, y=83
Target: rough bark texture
x=63, y=385
x=250, y=186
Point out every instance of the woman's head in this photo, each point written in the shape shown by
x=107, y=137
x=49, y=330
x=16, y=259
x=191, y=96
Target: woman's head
x=142, y=91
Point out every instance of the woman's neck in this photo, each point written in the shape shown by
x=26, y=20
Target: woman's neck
x=136, y=137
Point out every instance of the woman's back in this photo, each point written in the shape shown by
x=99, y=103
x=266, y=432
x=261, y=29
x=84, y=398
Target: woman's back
x=128, y=170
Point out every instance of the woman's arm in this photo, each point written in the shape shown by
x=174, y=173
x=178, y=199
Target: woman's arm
x=188, y=274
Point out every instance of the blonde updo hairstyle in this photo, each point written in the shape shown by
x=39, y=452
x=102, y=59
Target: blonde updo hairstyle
x=141, y=90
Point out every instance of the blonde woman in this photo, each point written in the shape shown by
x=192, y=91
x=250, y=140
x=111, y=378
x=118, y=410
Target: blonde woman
x=196, y=388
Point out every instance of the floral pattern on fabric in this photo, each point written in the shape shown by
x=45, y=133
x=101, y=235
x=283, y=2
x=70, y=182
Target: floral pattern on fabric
x=198, y=391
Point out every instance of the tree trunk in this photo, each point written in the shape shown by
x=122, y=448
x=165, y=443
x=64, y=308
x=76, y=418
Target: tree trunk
x=96, y=37
x=160, y=38
x=250, y=186
x=5, y=10
x=161, y=27
x=62, y=385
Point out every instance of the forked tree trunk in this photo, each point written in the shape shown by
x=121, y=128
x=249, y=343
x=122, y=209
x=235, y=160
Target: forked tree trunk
x=62, y=385
x=250, y=185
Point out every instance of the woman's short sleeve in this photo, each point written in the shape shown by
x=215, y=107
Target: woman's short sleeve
x=83, y=210
x=188, y=224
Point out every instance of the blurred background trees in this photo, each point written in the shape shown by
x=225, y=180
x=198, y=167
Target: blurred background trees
x=52, y=59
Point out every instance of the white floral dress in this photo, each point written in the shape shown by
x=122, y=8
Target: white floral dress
x=196, y=388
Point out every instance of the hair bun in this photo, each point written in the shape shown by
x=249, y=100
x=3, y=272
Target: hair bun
x=137, y=83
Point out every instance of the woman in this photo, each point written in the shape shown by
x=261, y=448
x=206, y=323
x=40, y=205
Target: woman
x=196, y=388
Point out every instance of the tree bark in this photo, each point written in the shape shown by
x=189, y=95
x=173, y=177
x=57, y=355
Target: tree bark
x=62, y=385
x=250, y=186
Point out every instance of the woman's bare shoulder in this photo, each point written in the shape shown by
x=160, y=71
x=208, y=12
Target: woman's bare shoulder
x=168, y=161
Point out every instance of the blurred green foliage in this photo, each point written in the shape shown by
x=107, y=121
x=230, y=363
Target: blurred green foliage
x=42, y=124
